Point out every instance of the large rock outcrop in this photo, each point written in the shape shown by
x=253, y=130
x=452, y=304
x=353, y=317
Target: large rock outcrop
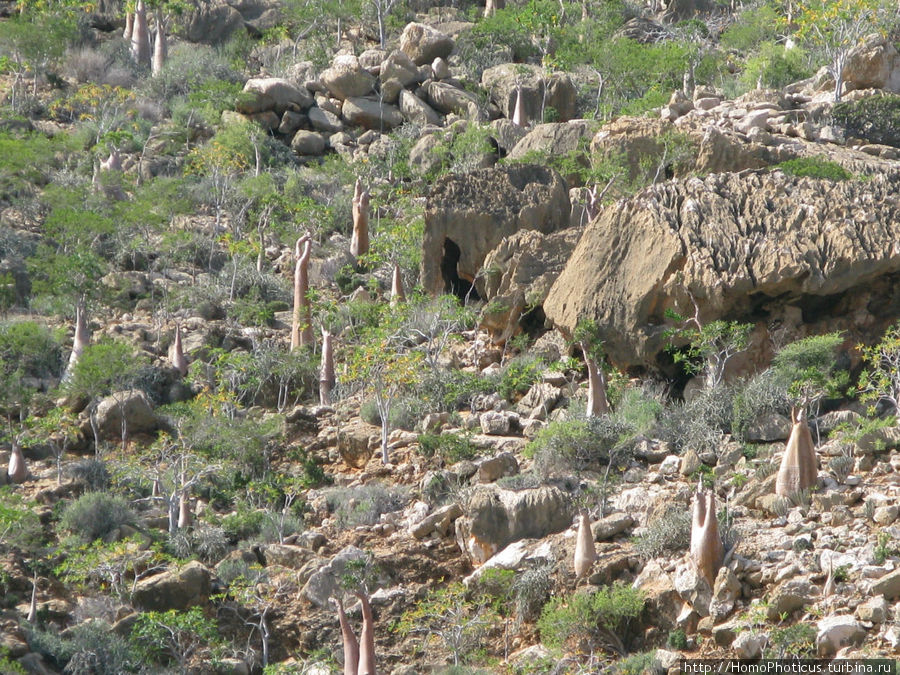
x=174, y=589
x=467, y=216
x=744, y=246
x=495, y=518
x=504, y=81
x=521, y=271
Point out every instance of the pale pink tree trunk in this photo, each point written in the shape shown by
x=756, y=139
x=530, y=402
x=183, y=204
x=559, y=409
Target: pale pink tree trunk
x=160, y=45
x=397, y=293
x=798, y=465
x=140, y=37
x=185, y=517
x=351, y=646
x=585, y=552
x=359, y=241
x=81, y=341
x=326, y=373
x=597, y=403
x=129, y=26
x=17, y=471
x=707, y=552
x=366, y=638
x=519, y=117
x=301, y=323
x=178, y=358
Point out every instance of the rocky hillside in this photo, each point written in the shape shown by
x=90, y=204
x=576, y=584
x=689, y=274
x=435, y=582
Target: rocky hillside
x=407, y=338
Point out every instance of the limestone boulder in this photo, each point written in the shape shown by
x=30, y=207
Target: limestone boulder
x=521, y=270
x=308, y=143
x=735, y=243
x=835, y=632
x=346, y=78
x=423, y=44
x=415, y=110
x=446, y=98
x=174, y=589
x=423, y=156
x=324, y=582
x=467, y=216
x=274, y=93
x=504, y=81
x=495, y=518
x=209, y=22
x=873, y=64
x=134, y=406
x=371, y=114
x=325, y=120
x=558, y=140
x=400, y=67
x=506, y=134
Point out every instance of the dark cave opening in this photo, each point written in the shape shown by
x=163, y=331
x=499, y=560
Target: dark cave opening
x=453, y=283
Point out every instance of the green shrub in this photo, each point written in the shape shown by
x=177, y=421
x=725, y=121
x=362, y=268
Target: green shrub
x=530, y=591
x=207, y=543
x=96, y=515
x=668, y=533
x=638, y=409
x=635, y=664
x=760, y=395
x=750, y=28
x=575, y=445
x=30, y=349
x=518, y=375
x=677, y=639
x=603, y=618
x=404, y=414
x=797, y=641
x=874, y=118
x=699, y=423
x=815, y=167
x=91, y=473
x=775, y=67
x=363, y=505
x=243, y=524
x=450, y=447
x=90, y=648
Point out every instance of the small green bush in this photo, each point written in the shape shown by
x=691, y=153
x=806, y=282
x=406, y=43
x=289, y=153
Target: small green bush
x=603, y=617
x=699, y=423
x=758, y=396
x=775, y=67
x=96, y=515
x=207, y=543
x=575, y=445
x=797, y=641
x=451, y=448
x=668, y=533
x=518, y=376
x=874, y=118
x=635, y=664
x=363, y=505
x=677, y=639
x=90, y=648
x=815, y=167
x=243, y=524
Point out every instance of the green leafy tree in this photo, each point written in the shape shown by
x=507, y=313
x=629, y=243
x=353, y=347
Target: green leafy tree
x=177, y=637
x=808, y=370
x=20, y=526
x=836, y=26
x=880, y=381
x=709, y=345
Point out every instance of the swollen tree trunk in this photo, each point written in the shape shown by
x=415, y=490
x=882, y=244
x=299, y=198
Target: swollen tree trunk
x=129, y=26
x=185, y=517
x=366, y=639
x=140, y=37
x=81, y=341
x=359, y=241
x=351, y=646
x=707, y=552
x=178, y=358
x=491, y=6
x=397, y=294
x=32, y=607
x=326, y=373
x=17, y=471
x=160, y=45
x=113, y=162
x=519, y=111
x=798, y=465
x=301, y=324
x=585, y=552
x=830, y=586
x=597, y=403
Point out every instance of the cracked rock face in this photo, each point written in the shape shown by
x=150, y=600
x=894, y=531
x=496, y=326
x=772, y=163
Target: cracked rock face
x=744, y=247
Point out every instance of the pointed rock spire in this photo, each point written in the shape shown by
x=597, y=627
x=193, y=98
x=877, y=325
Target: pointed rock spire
x=707, y=551
x=585, y=552
x=798, y=465
x=359, y=241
